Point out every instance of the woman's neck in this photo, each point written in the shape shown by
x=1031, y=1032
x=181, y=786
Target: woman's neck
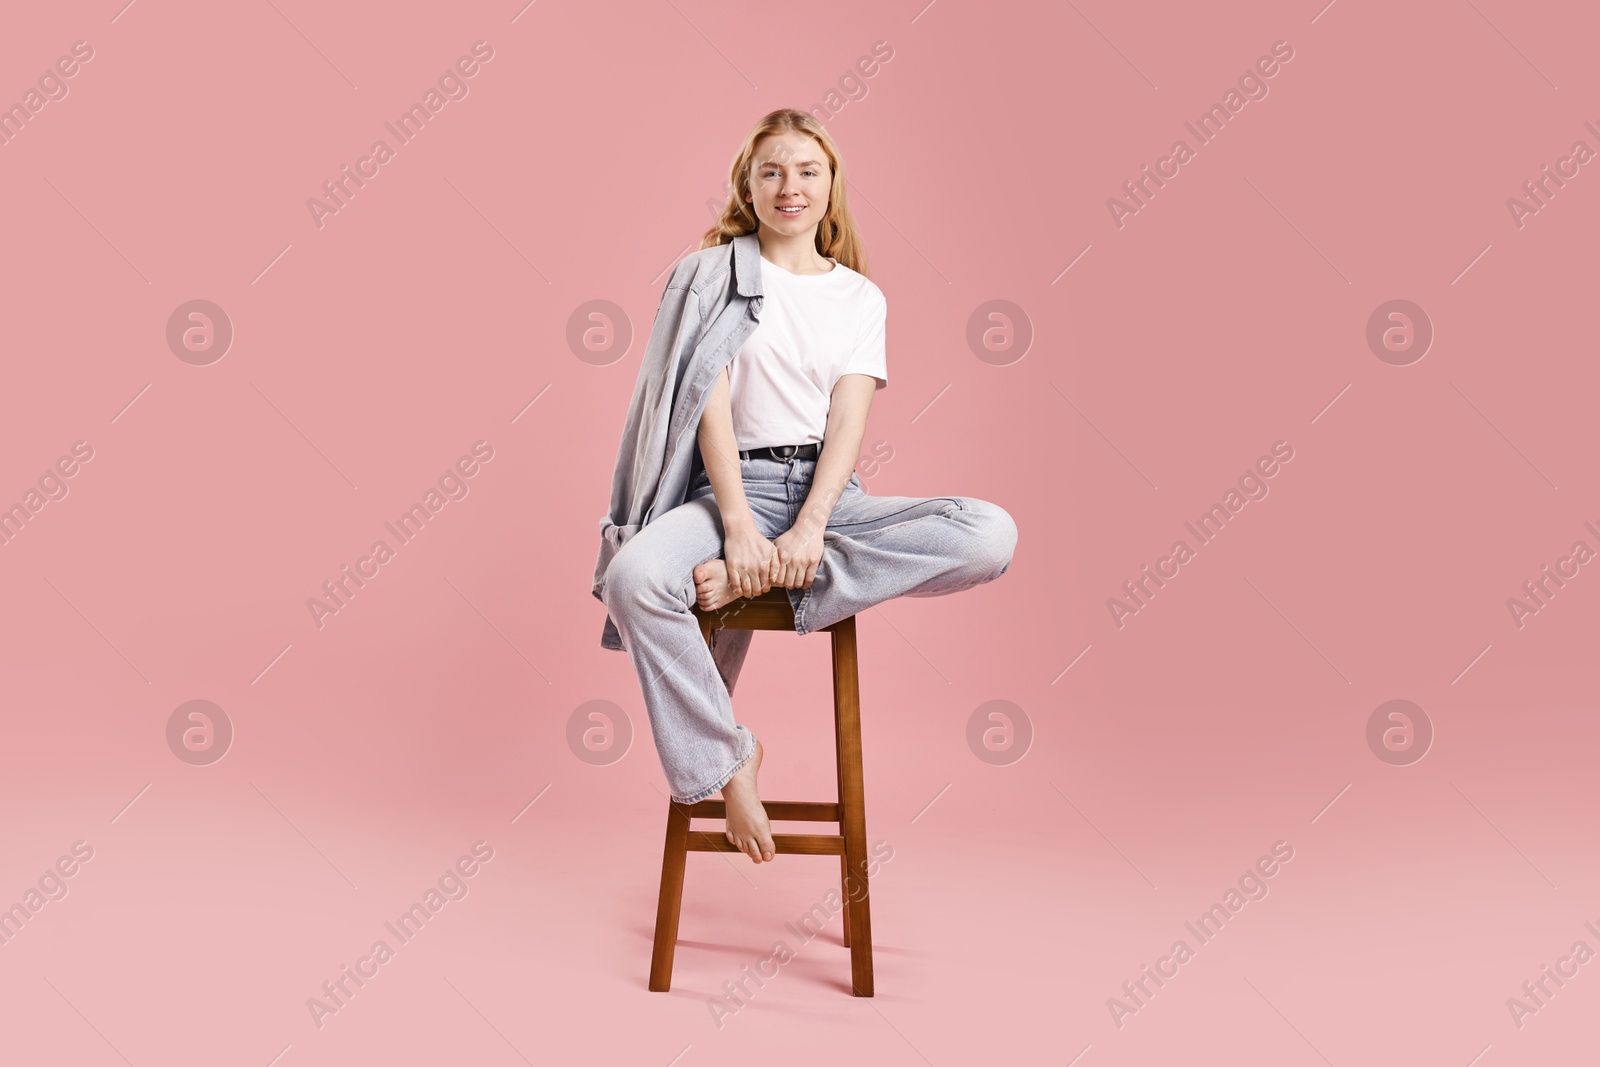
x=797, y=254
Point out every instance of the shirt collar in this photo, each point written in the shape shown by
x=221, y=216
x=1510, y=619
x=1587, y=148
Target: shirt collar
x=747, y=263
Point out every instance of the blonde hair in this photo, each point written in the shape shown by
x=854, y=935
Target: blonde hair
x=836, y=233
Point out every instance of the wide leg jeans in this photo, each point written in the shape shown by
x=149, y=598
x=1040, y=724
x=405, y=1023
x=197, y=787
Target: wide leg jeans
x=875, y=548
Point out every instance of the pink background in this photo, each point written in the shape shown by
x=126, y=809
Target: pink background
x=1229, y=714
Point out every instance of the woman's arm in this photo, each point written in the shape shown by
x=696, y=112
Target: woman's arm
x=800, y=549
x=749, y=556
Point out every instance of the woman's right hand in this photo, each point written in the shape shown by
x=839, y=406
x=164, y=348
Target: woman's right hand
x=749, y=558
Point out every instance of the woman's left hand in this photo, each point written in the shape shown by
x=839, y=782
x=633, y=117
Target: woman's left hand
x=799, y=555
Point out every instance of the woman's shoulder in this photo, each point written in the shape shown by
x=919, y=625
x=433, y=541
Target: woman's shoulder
x=702, y=268
x=863, y=287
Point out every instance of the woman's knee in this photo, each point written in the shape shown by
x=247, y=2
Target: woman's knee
x=657, y=562
x=996, y=536
x=636, y=577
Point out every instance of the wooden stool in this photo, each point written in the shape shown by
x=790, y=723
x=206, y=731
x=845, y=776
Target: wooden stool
x=771, y=611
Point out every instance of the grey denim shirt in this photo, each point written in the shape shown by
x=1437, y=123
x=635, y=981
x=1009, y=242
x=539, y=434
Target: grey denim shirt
x=710, y=307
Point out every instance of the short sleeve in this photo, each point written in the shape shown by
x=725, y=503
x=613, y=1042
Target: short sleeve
x=871, y=353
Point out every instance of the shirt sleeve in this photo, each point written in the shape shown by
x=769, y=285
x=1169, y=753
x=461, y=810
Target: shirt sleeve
x=871, y=353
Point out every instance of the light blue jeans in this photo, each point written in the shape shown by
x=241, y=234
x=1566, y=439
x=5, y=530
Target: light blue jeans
x=875, y=548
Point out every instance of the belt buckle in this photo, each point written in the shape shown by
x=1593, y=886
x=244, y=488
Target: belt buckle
x=788, y=456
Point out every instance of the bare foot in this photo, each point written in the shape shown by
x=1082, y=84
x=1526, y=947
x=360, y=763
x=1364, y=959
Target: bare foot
x=712, y=589
x=748, y=829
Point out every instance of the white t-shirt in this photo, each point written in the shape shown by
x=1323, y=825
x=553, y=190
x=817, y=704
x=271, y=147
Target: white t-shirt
x=814, y=328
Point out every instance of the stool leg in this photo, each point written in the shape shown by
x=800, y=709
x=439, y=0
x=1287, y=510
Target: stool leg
x=844, y=890
x=852, y=803
x=844, y=864
x=673, y=858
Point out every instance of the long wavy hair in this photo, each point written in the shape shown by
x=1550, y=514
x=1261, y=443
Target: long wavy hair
x=836, y=233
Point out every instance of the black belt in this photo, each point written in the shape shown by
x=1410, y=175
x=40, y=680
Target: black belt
x=783, y=452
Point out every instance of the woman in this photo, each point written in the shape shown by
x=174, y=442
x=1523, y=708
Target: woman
x=735, y=472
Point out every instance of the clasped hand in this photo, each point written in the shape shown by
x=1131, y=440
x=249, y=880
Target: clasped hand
x=755, y=564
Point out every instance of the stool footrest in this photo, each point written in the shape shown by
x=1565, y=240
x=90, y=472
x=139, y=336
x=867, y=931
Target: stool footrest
x=792, y=844
x=793, y=810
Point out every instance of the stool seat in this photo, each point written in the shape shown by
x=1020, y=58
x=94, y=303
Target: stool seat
x=772, y=611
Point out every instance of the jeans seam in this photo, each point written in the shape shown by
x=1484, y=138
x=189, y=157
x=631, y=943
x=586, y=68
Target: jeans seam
x=843, y=526
x=897, y=525
x=800, y=612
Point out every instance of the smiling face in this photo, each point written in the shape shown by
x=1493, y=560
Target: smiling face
x=790, y=180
